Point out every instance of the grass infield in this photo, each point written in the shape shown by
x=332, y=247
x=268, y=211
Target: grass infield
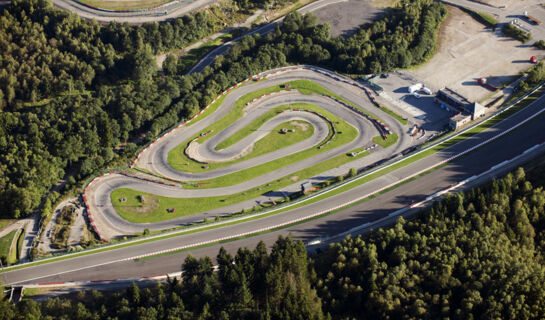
x=5, y=245
x=179, y=161
x=512, y=110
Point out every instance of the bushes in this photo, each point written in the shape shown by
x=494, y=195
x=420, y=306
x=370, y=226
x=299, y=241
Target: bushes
x=484, y=18
x=66, y=216
x=487, y=19
x=540, y=44
x=516, y=33
x=535, y=76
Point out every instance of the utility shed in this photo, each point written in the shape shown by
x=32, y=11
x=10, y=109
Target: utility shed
x=459, y=120
x=477, y=110
x=306, y=187
x=453, y=98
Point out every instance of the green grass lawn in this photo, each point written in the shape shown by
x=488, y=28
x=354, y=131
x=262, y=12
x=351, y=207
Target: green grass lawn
x=275, y=140
x=309, y=87
x=250, y=128
x=5, y=243
x=154, y=208
x=5, y=222
x=176, y=157
x=20, y=242
x=265, y=145
x=348, y=133
x=124, y=5
x=179, y=161
x=390, y=140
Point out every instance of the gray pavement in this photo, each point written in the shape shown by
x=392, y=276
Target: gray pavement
x=77, y=229
x=108, y=264
x=505, y=14
x=209, y=58
x=155, y=159
x=175, y=9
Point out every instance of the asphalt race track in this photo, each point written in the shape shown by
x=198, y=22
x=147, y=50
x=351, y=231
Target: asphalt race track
x=170, y=10
x=120, y=263
x=155, y=159
x=100, y=266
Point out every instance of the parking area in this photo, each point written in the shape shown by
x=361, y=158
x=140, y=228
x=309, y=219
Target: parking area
x=468, y=51
x=420, y=109
x=345, y=17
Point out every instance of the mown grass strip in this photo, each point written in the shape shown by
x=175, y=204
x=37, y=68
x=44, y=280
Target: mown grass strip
x=20, y=243
x=394, y=115
x=348, y=134
x=189, y=206
x=179, y=161
x=5, y=247
x=124, y=5
x=385, y=143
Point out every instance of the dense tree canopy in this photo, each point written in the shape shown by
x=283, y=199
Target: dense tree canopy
x=474, y=255
x=73, y=91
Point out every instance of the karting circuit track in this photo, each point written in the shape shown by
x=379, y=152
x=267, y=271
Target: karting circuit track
x=517, y=135
x=238, y=157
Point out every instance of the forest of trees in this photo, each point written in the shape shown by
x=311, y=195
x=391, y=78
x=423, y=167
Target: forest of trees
x=73, y=91
x=474, y=255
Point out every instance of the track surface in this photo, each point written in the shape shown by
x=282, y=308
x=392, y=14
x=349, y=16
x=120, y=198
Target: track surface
x=155, y=159
x=102, y=265
x=174, y=10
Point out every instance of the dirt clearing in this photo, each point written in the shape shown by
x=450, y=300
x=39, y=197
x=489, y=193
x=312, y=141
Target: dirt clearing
x=468, y=51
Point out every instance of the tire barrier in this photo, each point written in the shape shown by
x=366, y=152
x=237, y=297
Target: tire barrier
x=259, y=76
x=333, y=135
x=381, y=127
x=160, y=10
x=268, y=95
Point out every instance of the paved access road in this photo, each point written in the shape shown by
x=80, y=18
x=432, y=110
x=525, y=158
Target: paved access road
x=513, y=10
x=174, y=10
x=171, y=10
x=155, y=159
x=107, y=265
x=209, y=58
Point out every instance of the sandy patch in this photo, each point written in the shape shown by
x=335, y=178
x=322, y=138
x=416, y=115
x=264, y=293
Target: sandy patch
x=468, y=51
x=301, y=125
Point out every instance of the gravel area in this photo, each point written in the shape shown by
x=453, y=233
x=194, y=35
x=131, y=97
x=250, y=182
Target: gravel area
x=468, y=51
x=346, y=17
